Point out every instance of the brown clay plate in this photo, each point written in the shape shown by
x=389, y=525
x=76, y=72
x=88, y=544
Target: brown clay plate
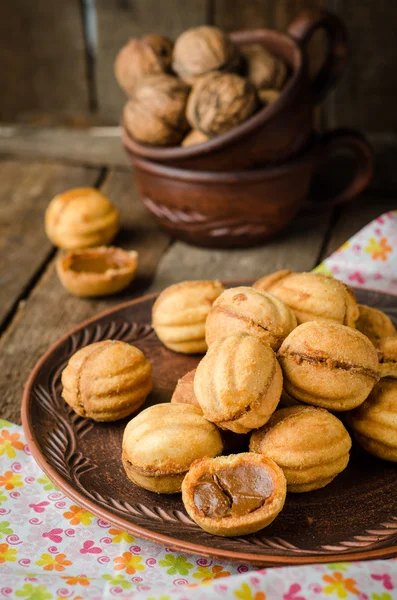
x=353, y=518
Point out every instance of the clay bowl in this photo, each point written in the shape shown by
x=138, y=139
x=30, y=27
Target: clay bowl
x=279, y=130
x=243, y=208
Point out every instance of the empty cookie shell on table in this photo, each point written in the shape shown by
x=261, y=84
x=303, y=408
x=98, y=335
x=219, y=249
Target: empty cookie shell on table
x=387, y=354
x=374, y=323
x=312, y=296
x=309, y=444
x=374, y=423
x=98, y=271
x=234, y=495
x=160, y=444
x=328, y=365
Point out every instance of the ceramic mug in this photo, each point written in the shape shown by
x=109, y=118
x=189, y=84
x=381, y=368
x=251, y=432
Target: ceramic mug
x=242, y=208
x=279, y=130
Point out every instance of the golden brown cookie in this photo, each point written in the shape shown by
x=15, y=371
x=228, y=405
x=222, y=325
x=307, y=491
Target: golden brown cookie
x=309, y=444
x=387, y=354
x=313, y=296
x=107, y=381
x=374, y=423
x=234, y=495
x=238, y=383
x=253, y=311
x=180, y=312
x=184, y=390
x=328, y=365
x=374, y=323
x=160, y=444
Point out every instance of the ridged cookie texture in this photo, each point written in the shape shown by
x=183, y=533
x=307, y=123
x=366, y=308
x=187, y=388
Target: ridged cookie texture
x=160, y=444
x=313, y=296
x=328, y=365
x=387, y=354
x=374, y=323
x=107, y=381
x=253, y=311
x=238, y=383
x=374, y=423
x=180, y=312
x=309, y=444
x=234, y=495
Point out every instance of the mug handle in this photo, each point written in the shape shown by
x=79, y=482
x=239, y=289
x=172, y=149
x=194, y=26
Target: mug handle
x=302, y=30
x=347, y=139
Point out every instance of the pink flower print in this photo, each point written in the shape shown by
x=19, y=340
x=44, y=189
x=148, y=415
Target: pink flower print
x=356, y=276
x=385, y=579
x=53, y=535
x=380, y=220
x=39, y=508
x=378, y=231
x=90, y=548
x=293, y=590
x=356, y=248
x=378, y=276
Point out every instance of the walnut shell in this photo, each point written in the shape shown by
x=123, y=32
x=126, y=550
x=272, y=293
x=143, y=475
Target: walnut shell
x=155, y=114
x=264, y=69
x=81, y=218
x=107, y=381
x=203, y=49
x=220, y=101
x=150, y=55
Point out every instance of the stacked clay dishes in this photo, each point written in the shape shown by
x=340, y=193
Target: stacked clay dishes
x=277, y=358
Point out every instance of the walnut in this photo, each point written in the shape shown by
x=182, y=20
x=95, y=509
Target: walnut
x=264, y=69
x=220, y=101
x=155, y=114
x=203, y=49
x=194, y=137
x=150, y=55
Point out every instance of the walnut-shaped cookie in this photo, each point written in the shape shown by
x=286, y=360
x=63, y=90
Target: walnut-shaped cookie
x=234, y=495
x=313, y=296
x=387, y=354
x=238, y=383
x=374, y=323
x=160, y=444
x=180, y=312
x=374, y=423
x=253, y=311
x=309, y=444
x=107, y=381
x=328, y=365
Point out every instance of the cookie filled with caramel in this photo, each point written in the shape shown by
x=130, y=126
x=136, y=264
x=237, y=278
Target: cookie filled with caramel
x=374, y=323
x=234, y=495
x=387, y=354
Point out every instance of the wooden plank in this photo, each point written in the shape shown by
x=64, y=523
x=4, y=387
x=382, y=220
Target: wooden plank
x=365, y=97
x=353, y=217
x=25, y=190
x=295, y=249
x=93, y=146
x=50, y=311
x=118, y=21
x=42, y=58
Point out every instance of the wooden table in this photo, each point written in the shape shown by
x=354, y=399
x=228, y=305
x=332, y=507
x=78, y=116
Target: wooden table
x=35, y=309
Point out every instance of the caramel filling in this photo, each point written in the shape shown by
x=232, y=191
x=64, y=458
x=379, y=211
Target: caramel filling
x=233, y=491
x=332, y=364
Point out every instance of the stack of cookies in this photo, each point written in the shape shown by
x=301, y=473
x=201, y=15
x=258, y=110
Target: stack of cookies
x=283, y=360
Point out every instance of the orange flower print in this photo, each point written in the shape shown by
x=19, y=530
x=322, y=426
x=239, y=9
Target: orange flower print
x=80, y=579
x=78, y=515
x=57, y=562
x=120, y=536
x=245, y=593
x=207, y=574
x=9, y=443
x=129, y=562
x=379, y=249
x=10, y=480
x=7, y=554
x=339, y=586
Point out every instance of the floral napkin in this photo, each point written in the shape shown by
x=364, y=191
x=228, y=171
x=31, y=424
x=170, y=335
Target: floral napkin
x=51, y=549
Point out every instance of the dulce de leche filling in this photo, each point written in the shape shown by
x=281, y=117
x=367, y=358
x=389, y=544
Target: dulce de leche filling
x=233, y=491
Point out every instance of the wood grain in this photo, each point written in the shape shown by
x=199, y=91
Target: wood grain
x=50, y=311
x=118, y=21
x=42, y=59
x=25, y=191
